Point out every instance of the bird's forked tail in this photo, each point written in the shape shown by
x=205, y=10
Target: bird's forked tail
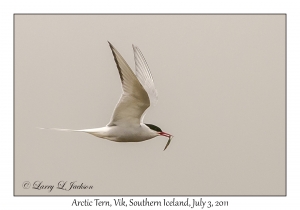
x=60, y=129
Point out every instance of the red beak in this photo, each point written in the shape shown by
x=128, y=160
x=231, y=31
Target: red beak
x=164, y=134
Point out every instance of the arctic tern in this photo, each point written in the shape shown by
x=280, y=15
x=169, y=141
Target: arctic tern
x=126, y=124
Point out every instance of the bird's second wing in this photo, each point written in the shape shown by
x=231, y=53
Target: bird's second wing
x=134, y=100
x=144, y=75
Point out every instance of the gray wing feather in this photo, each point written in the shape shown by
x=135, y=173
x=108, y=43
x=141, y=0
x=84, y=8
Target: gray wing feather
x=144, y=75
x=134, y=99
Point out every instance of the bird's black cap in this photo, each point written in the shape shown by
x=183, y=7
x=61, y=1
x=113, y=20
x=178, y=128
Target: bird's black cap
x=154, y=127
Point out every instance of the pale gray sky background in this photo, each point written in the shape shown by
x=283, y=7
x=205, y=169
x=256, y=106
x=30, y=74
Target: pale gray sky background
x=221, y=86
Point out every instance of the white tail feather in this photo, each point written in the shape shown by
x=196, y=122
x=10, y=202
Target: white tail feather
x=61, y=129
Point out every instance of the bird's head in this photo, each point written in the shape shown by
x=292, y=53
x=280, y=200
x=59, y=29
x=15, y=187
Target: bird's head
x=159, y=132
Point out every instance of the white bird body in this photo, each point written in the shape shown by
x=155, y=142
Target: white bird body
x=124, y=133
x=126, y=124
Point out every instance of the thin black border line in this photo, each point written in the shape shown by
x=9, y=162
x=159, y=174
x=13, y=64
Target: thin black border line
x=14, y=184
x=14, y=104
x=186, y=196
x=285, y=105
x=150, y=13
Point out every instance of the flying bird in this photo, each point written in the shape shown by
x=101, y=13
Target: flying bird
x=126, y=124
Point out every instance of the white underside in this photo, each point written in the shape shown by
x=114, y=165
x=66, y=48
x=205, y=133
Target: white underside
x=123, y=133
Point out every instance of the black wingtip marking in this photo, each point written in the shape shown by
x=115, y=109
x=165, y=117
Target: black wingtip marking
x=117, y=63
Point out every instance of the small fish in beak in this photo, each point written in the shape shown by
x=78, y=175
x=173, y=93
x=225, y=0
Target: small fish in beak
x=166, y=135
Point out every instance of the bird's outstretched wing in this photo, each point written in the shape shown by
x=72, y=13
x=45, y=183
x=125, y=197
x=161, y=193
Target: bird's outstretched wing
x=144, y=75
x=134, y=99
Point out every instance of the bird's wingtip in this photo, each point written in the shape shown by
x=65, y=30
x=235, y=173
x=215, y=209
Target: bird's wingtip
x=134, y=46
x=110, y=44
